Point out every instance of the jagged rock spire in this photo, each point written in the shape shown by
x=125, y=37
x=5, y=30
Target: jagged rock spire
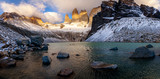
x=75, y=15
x=67, y=19
x=83, y=16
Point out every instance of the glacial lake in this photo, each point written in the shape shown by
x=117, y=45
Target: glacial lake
x=32, y=68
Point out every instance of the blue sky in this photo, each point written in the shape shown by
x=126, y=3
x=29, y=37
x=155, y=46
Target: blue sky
x=54, y=10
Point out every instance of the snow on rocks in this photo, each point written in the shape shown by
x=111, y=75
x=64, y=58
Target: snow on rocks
x=134, y=29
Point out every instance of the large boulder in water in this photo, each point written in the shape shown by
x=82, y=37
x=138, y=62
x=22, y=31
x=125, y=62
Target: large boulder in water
x=103, y=66
x=62, y=55
x=142, y=52
x=46, y=60
x=37, y=40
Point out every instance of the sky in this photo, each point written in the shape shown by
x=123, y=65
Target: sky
x=54, y=11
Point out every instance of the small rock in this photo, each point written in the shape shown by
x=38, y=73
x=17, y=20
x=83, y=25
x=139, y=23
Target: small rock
x=53, y=53
x=36, y=48
x=87, y=49
x=62, y=55
x=20, y=51
x=6, y=45
x=7, y=62
x=1, y=54
x=17, y=57
x=142, y=52
x=114, y=49
x=65, y=72
x=46, y=60
x=101, y=65
x=77, y=55
x=149, y=46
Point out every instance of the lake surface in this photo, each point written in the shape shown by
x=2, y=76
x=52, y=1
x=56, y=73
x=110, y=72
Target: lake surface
x=32, y=68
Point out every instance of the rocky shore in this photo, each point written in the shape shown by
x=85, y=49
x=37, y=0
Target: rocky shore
x=12, y=51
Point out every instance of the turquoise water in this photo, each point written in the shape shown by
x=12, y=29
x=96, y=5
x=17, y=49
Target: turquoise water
x=32, y=66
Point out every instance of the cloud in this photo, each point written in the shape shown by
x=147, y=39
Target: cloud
x=53, y=17
x=66, y=6
x=32, y=10
x=22, y=8
x=153, y=3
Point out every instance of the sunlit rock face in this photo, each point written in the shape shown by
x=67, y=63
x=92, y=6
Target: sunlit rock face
x=36, y=20
x=83, y=17
x=75, y=15
x=67, y=19
x=13, y=15
x=93, y=12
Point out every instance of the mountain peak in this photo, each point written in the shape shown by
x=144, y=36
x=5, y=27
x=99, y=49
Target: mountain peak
x=10, y=15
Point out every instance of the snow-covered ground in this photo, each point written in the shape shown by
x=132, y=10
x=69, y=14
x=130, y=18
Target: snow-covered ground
x=73, y=27
x=133, y=29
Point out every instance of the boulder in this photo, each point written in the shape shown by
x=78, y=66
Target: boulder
x=7, y=62
x=114, y=49
x=37, y=40
x=142, y=52
x=46, y=60
x=22, y=41
x=149, y=46
x=103, y=66
x=62, y=55
x=65, y=72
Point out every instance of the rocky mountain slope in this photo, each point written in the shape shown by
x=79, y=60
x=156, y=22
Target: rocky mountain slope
x=112, y=24
x=113, y=10
x=133, y=29
x=28, y=26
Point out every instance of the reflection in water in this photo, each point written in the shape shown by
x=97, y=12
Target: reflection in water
x=32, y=68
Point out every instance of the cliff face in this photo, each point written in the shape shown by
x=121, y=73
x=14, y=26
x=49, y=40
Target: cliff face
x=83, y=16
x=112, y=10
x=93, y=12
